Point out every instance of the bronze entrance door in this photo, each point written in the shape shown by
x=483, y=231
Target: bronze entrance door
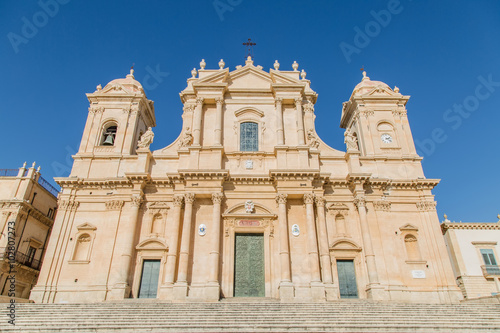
x=347, y=279
x=249, y=279
x=149, y=279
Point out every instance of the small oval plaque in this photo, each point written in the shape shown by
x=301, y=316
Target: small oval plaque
x=295, y=230
x=202, y=230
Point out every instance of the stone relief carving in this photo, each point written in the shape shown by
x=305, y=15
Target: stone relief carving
x=382, y=205
x=146, y=139
x=114, y=204
x=308, y=198
x=136, y=200
x=186, y=139
x=281, y=198
x=189, y=198
x=312, y=139
x=217, y=198
x=178, y=200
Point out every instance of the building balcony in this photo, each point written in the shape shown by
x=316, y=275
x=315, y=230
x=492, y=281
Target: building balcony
x=20, y=258
x=490, y=271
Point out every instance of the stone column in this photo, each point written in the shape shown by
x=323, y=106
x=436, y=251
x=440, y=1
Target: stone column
x=497, y=283
x=174, y=241
x=120, y=269
x=181, y=288
x=360, y=202
x=286, y=286
x=326, y=268
x=213, y=290
x=312, y=244
x=300, y=121
x=218, y=121
x=198, y=111
x=279, y=114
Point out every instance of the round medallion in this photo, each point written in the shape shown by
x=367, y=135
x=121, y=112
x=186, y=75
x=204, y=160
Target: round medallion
x=202, y=230
x=295, y=230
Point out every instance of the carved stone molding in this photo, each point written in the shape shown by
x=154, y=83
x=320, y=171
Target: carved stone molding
x=219, y=100
x=158, y=207
x=114, y=204
x=278, y=101
x=309, y=107
x=401, y=113
x=367, y=113
x=217, y=198
x=382, y=205
x=298, y=101
x=426, y=205
x=98, y=109
x=189, y=198
x=338, y=208
x=178, y=200
x=228, y=223
x=68, y=205
x=308, y=198
x=188, y=108
x=199, y=100
x=281, y=198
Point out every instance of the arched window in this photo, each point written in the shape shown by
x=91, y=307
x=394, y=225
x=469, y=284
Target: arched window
x=249, y=136
x=411, y=245
x=108, y=135
x=82, y=248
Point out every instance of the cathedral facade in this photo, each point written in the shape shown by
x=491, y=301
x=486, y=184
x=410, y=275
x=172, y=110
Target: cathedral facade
x=248, y=201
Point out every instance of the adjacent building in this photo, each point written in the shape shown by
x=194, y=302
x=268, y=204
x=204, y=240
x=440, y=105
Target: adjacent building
x=28, y=204
x=473, y=248
x=248, y=201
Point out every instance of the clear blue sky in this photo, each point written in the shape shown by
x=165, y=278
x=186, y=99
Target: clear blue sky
x=438, y=52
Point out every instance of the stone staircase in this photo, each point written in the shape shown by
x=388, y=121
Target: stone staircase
x=253, y=316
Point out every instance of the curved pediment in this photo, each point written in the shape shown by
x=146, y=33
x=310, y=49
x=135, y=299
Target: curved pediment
x=152, y=244
x=249, y=110
x=240, y=211
x=345, y=244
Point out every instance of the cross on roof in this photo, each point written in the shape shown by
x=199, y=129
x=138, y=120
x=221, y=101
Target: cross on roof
x=249, y=44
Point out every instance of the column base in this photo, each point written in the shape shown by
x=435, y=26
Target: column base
x=377, y=292
x=331, y=291
x=212, y=292
x=166, y=292
x=119, y=291
x=180, y=291
x=286, y=291
x=318, y=291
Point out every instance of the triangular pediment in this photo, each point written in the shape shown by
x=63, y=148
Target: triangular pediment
x=381, y=90
x=86, y=226
x=279, y=78
x=408, y=227
x=249, y=77
x=115, y=88
x=218, y=77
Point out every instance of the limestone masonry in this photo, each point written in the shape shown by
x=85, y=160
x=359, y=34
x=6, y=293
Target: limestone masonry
x=248, y=201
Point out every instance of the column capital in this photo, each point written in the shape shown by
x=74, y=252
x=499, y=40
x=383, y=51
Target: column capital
x=178, y=200
x=219, y=100
x=137, y=200
x=217, y=198
x=189, y=198
x=278, y=100
x=360, y=201
x=199, y=100
x=298, y=101
x=309, y=198
x=320, y=201
x=281, y=198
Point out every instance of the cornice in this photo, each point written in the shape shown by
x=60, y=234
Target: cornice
x=25, y=207
x=204, y=174
x=470, y=225
x=295, y=174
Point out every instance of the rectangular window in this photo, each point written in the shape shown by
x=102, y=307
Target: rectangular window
x=31, y=255
x=249, y=137
x=488, y=257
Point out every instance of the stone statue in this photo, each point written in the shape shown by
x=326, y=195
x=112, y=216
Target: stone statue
x=146, y=139
x=312, y=139
x=350, y=140
x=187, y=138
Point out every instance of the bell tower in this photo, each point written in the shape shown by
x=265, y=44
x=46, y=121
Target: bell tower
x=118, y=115
x=376, y=123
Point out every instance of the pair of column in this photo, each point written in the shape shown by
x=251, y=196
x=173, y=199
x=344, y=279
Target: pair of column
x=198, y=115
x=300, y=121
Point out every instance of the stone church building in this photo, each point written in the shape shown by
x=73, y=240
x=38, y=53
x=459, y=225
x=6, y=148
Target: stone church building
x=248, y=201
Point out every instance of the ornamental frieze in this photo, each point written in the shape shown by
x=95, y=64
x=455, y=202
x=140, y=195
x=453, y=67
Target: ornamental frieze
x=426, y=205
x=382, y=205
x=71, y=205
x=114, y=204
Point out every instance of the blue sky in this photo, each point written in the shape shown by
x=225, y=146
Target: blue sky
x=445, y=54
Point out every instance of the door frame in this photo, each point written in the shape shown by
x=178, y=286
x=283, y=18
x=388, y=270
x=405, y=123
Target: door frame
x=149, y=249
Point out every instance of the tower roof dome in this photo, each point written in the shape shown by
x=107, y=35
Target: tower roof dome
x=129, y=82
x=366, y=85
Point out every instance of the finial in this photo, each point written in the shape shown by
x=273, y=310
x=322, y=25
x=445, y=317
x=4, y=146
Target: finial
x=276, y=65
x=445, y=216
x=99, y=87
x=303, y=74
x=364, y=74
x=221, y=64
x=131, y=75
x=194, y=72
x=295, y=66
x=33, y=165
x=396, y=89
x=24, y=165
x=38, y=169
x=498, y=216
x=202, y=64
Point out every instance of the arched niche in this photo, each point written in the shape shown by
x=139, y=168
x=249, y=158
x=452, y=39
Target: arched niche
x=83, y=243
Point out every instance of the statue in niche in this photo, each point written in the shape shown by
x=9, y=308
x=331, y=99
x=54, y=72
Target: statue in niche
x=312, y=139
x=146, y=139
x=350, y=140
x=187, y=138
